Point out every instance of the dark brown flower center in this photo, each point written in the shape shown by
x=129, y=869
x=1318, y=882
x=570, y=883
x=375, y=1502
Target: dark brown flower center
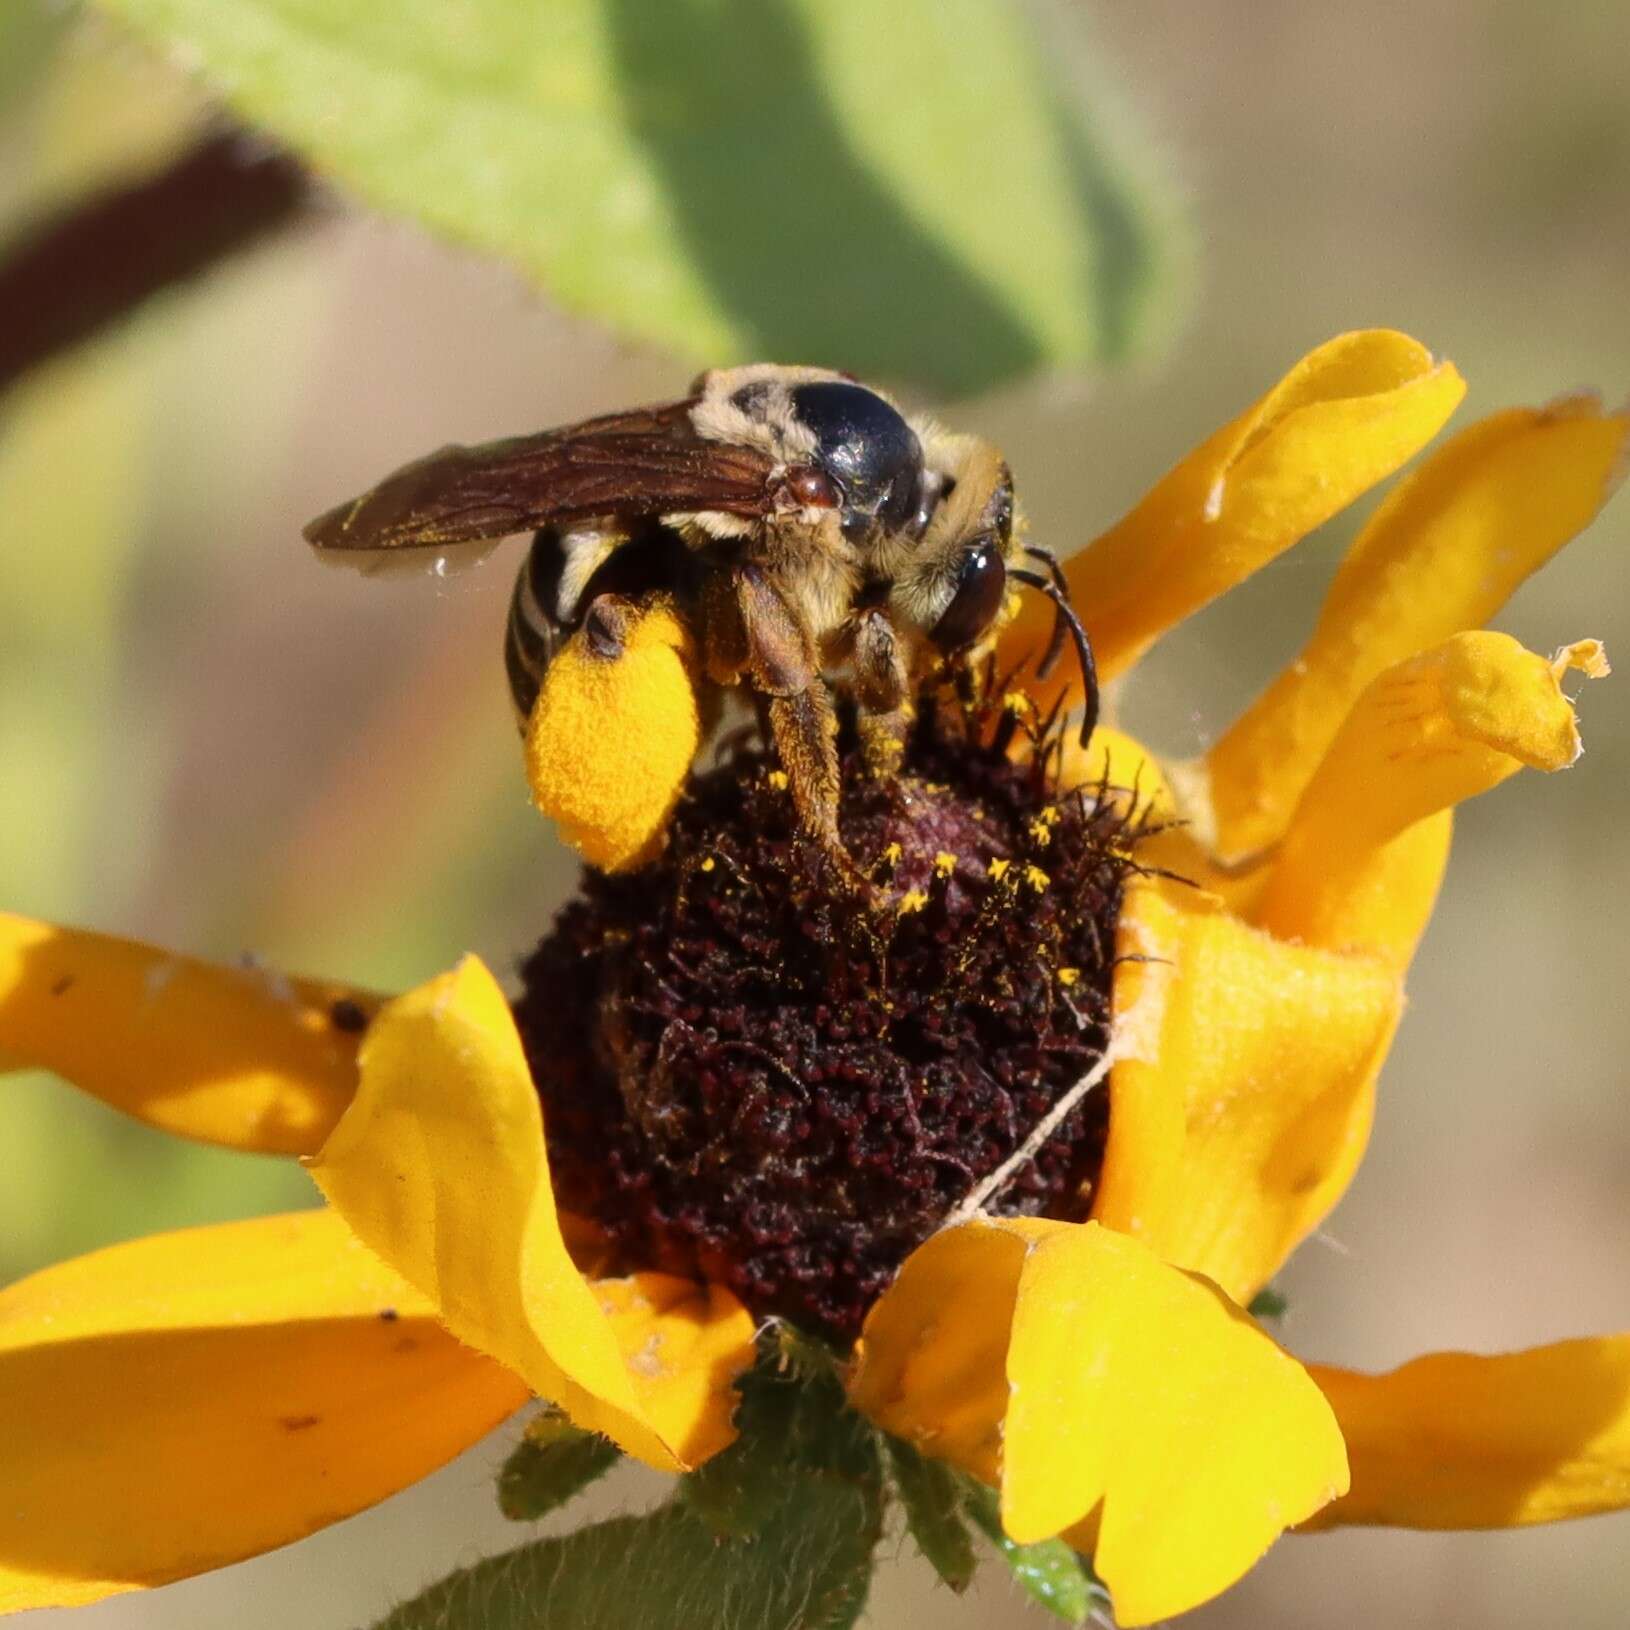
x=750, y=1072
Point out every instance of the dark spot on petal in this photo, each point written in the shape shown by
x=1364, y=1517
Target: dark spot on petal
x=298, y=1423
x=65, y=984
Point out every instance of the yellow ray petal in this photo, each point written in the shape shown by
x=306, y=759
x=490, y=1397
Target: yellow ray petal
x=931, y=1364
x=182, y=1402
x=1145, y=1388
x=1454, y=1440
x=685, y=1344
x=1132, y=777
x=1123, y=765
x=1242, y=1104
x=1440, y=556
x=1347, y=415
x=439, y=1165
x=1087, y=1376
x=1429, y=732
x=613, y=734
x=1148, y=1117
x=243, y=1057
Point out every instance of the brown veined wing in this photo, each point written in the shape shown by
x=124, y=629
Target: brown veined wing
x=644, y=463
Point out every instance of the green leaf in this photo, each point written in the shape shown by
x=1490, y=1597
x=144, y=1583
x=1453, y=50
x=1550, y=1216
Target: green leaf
x=1049, y=1572
x=552, y=1464
x=925, y=190
x=807, y=1569
x=932, y=1496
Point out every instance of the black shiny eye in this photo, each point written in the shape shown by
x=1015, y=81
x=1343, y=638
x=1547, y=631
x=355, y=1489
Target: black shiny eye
x=866, y=447
x=980, y=586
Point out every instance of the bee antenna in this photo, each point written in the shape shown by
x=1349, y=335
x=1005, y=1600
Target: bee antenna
x=1055, y=646
x=1083, y=647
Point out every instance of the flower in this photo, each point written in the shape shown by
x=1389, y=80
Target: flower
x=174, y=1404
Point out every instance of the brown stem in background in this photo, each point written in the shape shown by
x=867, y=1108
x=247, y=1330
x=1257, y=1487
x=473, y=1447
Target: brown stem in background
x=76, y=273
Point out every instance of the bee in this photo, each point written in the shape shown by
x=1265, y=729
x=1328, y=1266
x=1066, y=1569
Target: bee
x=818, y=543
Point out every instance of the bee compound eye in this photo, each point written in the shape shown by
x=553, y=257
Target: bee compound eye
x=981, y=583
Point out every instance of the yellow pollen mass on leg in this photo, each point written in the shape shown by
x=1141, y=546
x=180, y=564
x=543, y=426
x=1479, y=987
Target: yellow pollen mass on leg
x=612, y=737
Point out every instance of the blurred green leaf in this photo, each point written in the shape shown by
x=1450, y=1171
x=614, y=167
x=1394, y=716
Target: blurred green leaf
x=29, y=31
x=806, y=1570
x=914, y=190
x=552, y=1464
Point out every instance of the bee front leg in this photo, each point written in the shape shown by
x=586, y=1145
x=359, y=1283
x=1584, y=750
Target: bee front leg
x=805, y=729
x=781, y=666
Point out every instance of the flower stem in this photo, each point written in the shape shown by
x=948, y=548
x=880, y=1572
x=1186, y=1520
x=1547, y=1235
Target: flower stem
x=76, y=273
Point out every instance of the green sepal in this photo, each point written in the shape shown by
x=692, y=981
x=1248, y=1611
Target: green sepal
x=1049, y=1572
x=795, y=1424
x=931, y=1494
x=1269, y=1303
x=552, y=1464
x=807, y=1568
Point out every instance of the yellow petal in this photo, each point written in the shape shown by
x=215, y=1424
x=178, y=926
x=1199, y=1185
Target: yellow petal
x=439, y=1165
x=243, y=1057
x=182, y=1402
x=931, y=1364
x=1347, y=415
x=1243, y=1102
x=1131, y=777
x=613, y=734
x=685, y=1344
x=1429, y=732
x=1132, y=1390
x=1143, y=1387
x=1454, y=1440
x=1122, y=765
x=1440, y=556
x=1148, y=1115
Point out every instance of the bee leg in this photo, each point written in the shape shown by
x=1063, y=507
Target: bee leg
x=883, y=694
x=883, y=738
x=783, y=670
x=805, y=729
x=761, y=711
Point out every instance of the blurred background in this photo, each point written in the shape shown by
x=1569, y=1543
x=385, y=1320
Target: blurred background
x=208, y=740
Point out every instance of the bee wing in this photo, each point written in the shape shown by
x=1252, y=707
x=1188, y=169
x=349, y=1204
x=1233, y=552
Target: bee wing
x=647, y=462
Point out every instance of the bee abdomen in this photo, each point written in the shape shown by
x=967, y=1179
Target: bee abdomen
x=534, y=632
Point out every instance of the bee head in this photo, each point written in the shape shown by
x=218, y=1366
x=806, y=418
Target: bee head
x=954, y=587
